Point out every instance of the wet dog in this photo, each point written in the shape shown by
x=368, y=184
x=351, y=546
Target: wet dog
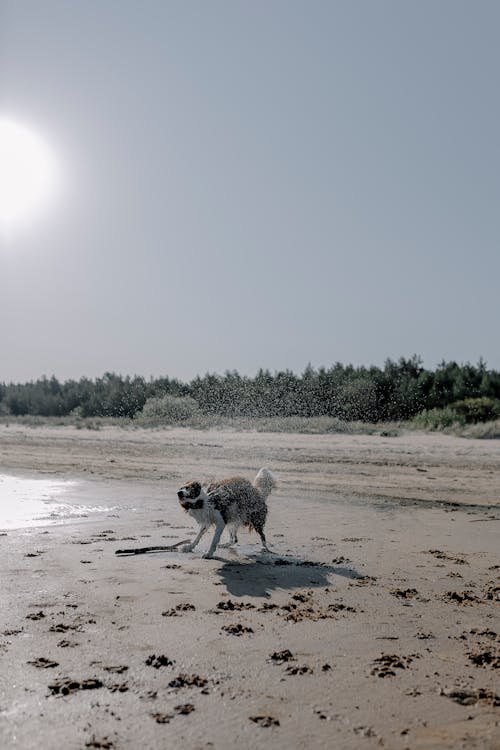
x=230, y=502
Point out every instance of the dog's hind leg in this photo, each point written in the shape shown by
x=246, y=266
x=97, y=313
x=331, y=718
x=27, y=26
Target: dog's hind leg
x=219, y=528
x=257, y=521
x=232, y=527
x=233, y=539
x=260, y=531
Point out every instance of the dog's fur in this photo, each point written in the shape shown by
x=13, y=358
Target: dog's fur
x=230, y=502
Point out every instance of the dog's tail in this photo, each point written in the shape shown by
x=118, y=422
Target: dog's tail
x=265, y=482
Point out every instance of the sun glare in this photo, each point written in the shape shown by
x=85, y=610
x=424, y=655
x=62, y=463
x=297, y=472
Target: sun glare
x=28, y=175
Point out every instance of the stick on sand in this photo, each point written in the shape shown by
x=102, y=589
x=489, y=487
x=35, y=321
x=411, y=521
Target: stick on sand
x=143, y=550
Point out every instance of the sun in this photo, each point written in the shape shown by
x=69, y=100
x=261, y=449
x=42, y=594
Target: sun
x=28, y=175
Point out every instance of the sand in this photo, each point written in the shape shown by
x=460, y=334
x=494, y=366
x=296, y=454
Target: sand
x=374, y=623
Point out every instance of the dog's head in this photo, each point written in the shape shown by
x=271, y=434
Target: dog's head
x=190, y=496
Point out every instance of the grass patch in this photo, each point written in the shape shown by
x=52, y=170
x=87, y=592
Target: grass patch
x=199, y=421
x=482, y=430
x=430, y=421
x=298, y=425
x=81, y=423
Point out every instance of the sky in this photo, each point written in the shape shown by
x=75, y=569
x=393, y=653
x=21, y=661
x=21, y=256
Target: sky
x=253, y=184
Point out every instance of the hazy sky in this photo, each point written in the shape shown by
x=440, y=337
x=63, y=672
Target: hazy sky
x=254, y=183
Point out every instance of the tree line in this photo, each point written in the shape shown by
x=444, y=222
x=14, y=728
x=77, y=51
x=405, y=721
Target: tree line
x=397, y=391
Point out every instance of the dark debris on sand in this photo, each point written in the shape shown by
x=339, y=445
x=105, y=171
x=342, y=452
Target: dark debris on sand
x=188, y=680
x=300, y=607
x=485, y=633
x=66, y=686
x=62, y=627
x=340, y=607
x=385, y=665
x=43, y=663
x=181, y=710
x=120, y=669
x=35, y=615
x=229, y=605
x=280, y=657
x=159, y=661
x=405, y=593
x=118, y=687
x=493, y=593
x=486, y=658
x=237, y=629
x=295, y=669
x=176, y=611
x=265, y=721
x=184, y=709
x=445, y=556
x=364, y=581
x=461, y=597
x=104, y=743
x=470, y=697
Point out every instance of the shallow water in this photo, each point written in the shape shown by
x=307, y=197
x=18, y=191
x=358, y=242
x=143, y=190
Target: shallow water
x=39, y=502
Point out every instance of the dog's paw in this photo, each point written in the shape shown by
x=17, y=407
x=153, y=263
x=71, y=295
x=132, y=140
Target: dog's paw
x=207, y=555
x=186, y=548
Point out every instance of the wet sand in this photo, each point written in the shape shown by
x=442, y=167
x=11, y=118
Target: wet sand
x=375, y=623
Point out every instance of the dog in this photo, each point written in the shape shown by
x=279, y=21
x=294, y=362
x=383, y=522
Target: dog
x=230, y=502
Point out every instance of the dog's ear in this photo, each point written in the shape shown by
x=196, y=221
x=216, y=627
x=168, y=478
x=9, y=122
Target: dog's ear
x=194, y=489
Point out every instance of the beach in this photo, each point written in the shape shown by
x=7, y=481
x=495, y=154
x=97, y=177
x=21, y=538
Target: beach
x=373, y=622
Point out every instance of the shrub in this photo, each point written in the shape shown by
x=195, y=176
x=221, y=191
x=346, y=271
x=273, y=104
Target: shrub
x=168, y=409
x=438, y=419
x=474, y=410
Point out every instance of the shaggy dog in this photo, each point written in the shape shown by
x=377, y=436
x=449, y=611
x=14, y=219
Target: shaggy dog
x=230, y=502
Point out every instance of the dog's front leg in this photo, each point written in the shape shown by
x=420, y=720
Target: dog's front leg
x=190, y=547
x=219, y=528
